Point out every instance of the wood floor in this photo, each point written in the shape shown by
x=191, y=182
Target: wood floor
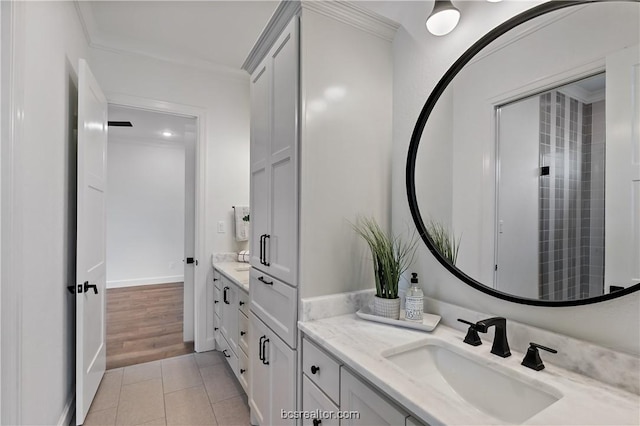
x=144, y=323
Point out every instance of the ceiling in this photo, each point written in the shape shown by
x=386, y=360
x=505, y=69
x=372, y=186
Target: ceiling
x=150, y=125
x=215, y=34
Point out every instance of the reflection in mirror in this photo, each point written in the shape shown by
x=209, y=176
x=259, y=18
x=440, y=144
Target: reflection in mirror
x=550, y=193
x=526, y=161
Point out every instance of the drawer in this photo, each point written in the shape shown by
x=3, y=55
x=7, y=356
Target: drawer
x=313, y=399
x=229, y=355
x=243, y=332
x=217, y=301
x=275, y=303
x=411, y=421
x=323, y=370
x=243, y=370
x=243, y=302
x=217, y=281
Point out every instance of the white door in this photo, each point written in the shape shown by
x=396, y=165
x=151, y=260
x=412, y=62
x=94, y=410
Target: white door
x=259, y=386
x=622, y=192
x=519, y=173
x=91, y=238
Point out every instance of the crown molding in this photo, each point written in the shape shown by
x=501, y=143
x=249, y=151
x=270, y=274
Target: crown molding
x=278, y=21
x=343, y=11
x=356, y=16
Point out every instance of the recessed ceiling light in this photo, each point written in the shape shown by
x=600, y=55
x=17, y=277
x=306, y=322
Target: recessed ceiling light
x=167, y=134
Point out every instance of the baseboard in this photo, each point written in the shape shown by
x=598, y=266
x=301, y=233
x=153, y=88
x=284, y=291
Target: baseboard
x=69, y=411
x=145, y=281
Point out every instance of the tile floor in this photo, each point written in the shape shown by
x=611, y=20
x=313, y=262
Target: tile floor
x=194, y=389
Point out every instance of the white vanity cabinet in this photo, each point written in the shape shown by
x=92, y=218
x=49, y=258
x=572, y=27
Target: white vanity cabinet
x=321, y=115
x=231, y=325
x=329, y=386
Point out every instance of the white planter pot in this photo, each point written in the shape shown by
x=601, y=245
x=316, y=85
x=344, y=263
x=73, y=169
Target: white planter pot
x=388, y=308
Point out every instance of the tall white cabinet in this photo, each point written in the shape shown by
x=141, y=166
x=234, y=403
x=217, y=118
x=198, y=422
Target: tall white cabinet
x=321, y=102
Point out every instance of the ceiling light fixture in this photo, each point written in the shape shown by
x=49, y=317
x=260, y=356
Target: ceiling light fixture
x=443, y=18
x=167, y=134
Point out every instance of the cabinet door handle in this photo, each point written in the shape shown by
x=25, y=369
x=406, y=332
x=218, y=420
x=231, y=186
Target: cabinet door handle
x=314, y=369
x=215, y=301
x=242, y=333
x=224, y=295
x=261, y=279
x=264, y=352
x=265, y=250
x=226, y=355
x=317, y=422
x=262, y=248
x=242, y=370
x=216, y=328
x=260, y=348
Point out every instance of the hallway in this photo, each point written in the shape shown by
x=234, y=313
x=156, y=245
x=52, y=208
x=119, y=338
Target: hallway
x=194, y=389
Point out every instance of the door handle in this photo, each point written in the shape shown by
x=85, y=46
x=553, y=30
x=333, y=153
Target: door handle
x=261, y=279
x=260, y=348
x=265, y=249
x=87, y=286
x=191, y=260
x=262, y=238
x=264, y=352
x=224, y=295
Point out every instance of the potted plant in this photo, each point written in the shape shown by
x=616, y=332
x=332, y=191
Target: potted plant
x=391, y=257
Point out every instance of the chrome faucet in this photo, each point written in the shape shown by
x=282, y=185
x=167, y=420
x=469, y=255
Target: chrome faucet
x=500, y=345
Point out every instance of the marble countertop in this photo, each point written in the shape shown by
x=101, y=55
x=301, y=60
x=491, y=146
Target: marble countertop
x=237, y=272
x=360, y=344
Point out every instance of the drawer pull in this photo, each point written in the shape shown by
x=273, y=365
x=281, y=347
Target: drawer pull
x=241, y=303
x=216, y=328
x=215, y=301
x=316, y=422
x=226, y=355
x=242, y=333
x=314, y=369
x=261, y=279
x=242, y=370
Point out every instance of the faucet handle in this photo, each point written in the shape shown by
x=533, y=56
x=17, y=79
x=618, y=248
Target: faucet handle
x=472, y=337
x=532, y=358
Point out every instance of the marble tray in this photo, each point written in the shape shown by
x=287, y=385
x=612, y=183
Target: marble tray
x=429, y=321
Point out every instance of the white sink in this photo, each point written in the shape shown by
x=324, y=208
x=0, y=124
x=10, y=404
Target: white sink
x=458, y=375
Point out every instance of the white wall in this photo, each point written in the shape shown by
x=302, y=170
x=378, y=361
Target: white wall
x=345, y=152
x=43, y=212
x=420, y=60
x=226, y=101
x=145, y=212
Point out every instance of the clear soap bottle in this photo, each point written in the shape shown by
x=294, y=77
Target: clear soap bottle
x=414, y=301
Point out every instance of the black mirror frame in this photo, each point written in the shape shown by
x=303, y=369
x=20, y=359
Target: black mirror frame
x=417, y=135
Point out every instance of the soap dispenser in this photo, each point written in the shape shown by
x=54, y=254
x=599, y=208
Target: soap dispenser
x=414, y=301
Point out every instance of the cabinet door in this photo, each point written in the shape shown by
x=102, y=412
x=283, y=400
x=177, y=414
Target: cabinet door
x=282, y=238
x=259, y=399
x=230, y=315
x=282, y=378
x=260, y=137
x=373, y=408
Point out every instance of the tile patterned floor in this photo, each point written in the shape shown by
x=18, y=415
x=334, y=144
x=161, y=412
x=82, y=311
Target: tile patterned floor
x=195, y=389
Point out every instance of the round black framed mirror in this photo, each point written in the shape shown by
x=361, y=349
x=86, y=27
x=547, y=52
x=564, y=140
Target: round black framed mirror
x=565, y=199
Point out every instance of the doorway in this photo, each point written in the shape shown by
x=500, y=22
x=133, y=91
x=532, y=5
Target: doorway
x=150, y=235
